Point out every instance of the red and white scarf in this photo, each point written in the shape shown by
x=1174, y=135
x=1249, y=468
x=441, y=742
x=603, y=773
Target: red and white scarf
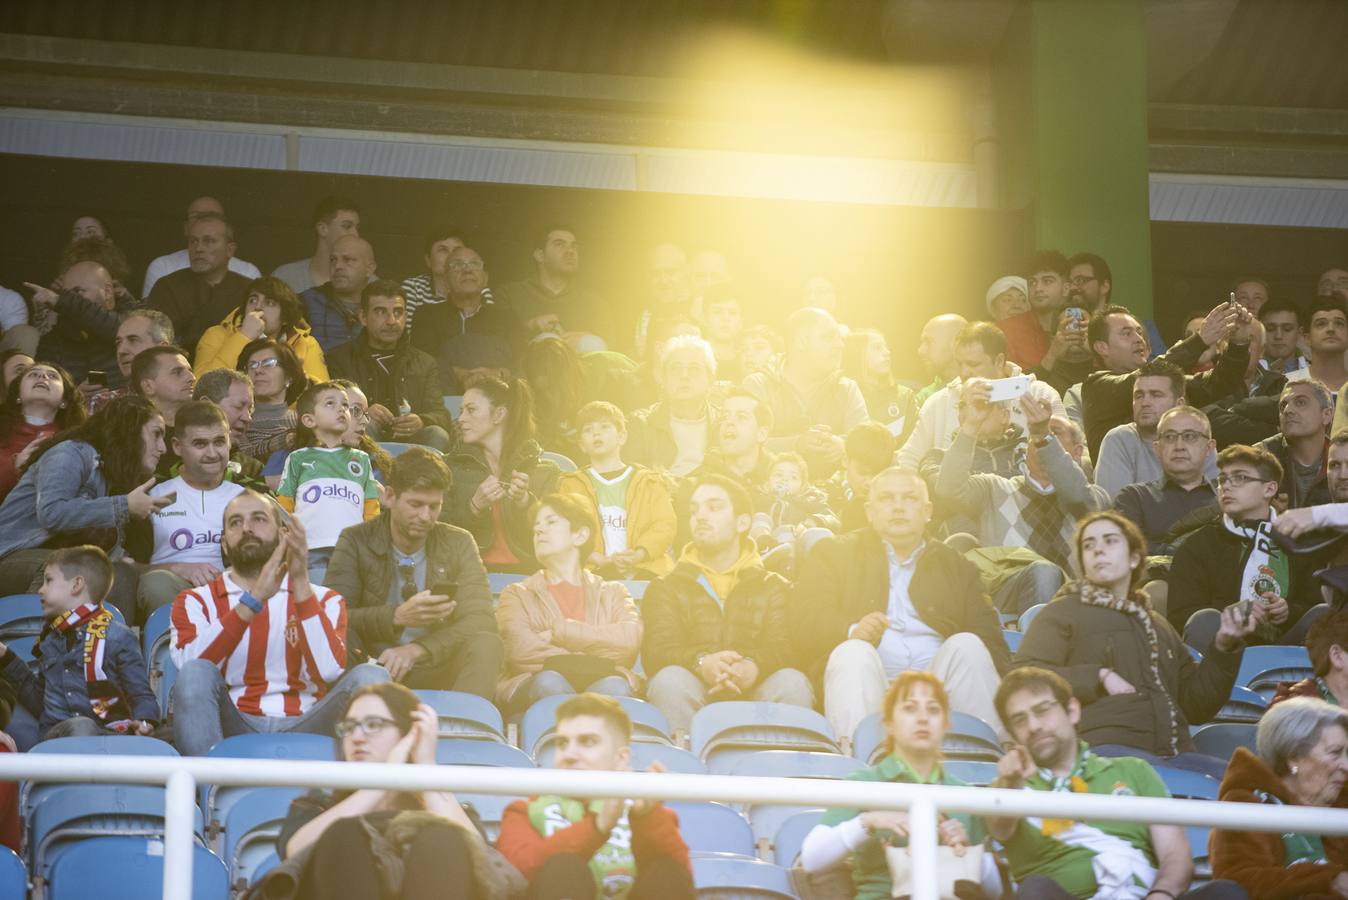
x=106, y=700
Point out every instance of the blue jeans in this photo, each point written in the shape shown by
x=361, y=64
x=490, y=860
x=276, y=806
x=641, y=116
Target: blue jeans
x=319, y=557
x=550, y=684
x=204, y=713
x=1190, y=761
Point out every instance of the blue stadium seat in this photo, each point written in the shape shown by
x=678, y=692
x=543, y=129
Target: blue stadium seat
x=636, y=587
x=1265, y=683
x=790, y=836
x=713, y=828
x=156, y=626
x=539, y=720
x=674, y=759
x=13, y=875
x=1198, y=847
x=106, y=745
x=1257, y=660
x=767, y=819
x=463, y=715
x=218, y=800
x=1028, y=616
x=22, y=645
x=156, y=643
x=490, y=809
x=498, y=581
x=1012, y=638
x=129, y=868
x=1244, y=705
x=722, y=732
x=868, y=741
x=734, y=878
x=464, y=752
x=971, y=771
x=1221, y=739
x=20, y=614
x=796, y=764
x=453, y=403
x=968, y=738
x=251, y=828
x=563, y=462
x=1190, y=785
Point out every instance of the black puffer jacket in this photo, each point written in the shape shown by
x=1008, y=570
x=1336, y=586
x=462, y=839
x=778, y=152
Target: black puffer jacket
x=469, y=468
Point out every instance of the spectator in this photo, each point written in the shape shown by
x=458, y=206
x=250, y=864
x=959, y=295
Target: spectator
x=1249, y=415
x=866, y=361
x=820, y=293
x=468, y=330
x=788, y=503
x=671, y=292
x=498, y=473
x=673, y=435
x=139, y=329
x=402, y=382
x=723, y=318
x=326, y=836
x=868, y=450
x=1159, y=508
x=1120, y=343
x=587, y=849
x=326, y=485
x=356, y=435
x=15, y=332
x=1326, y=335
x=88, y=227
x=182, y=259
x=433, y=287
x=1251, y=293
x=84, y=485
x=232, y=392
x=760, y=350
x=163, y=376
x=334, y=218
x=916, y=714
x=12, y=365
x=196, y=298
x=884, y=600
x=272, y=311
x=551, y=293
x=80, y=634
x=566, y=630
x=1006, y=297
x=1037, y=510
x=182, y=542
x=1068, y=359
x=719, y=626
x=1302, y=760
x=278, y=380
x=741, y=441
x=1128, y=454
x=39, y=403
x=1301, y=446
x=632, y=502
x=1327, y=647
x=980, y=353
x=1137, y=684
x=333, y=307
x=562, y=384
x=80, y=322
x=239, y=670
x=1093, y=281
x=1082, y=859
x=1236, y=561
x=416, y=593
x=1282, y=323
x=1333, y=283
x=1050, y=292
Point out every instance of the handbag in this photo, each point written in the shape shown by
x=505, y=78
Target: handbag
x=580, y=670
x=956, y=876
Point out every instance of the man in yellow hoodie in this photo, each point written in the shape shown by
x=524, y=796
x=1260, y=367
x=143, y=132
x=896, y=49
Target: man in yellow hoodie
x=718, y=626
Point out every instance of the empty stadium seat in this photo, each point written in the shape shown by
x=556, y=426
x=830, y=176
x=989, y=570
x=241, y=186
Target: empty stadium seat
x=790, y=836
x=971, y=771
x=1222, y=738
x=1257, y=660
x=250, y=830
x=489, y=808
x=468, y=752
x=539, y=721
x=723, y=732
x=129, y=868
x=563, y=462
x=1012, y=638
x=1028, y=616
x=1198, y=847
x=713, y=828
x=104, y=745
x=463, y=715
x=20, y=614
x=217, y=801
x=156, y=642
x=156, y=626
x=1244, y=705
x=795, y=764
x=1190, y=785
x=674, y=759
x=1265, y=683
x=13, y=875
x=729, y=877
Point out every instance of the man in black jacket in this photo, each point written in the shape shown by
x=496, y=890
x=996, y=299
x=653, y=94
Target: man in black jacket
x=1301, y=446
x=85, y=322
x=718, y=627
x=884, y=599
x=401, y=382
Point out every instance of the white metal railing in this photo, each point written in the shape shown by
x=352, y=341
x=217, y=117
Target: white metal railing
x=181, y=775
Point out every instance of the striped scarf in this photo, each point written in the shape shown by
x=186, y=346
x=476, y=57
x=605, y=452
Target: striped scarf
x=106, y=699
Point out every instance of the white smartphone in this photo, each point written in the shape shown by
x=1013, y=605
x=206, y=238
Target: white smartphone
x=1008, y=388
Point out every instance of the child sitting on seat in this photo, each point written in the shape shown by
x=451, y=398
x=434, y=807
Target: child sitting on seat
x=631, y=502
x=82, y=635
x=788, y=504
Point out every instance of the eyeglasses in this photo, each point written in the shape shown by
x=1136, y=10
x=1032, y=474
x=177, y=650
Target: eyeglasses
x=371, y=725
x=460, y=265
x=359, y=413
x=1186, y=437
x=408, y=574
x=1038, y=711
x=1238, y=479
x=255, y=364
x=1083, y=280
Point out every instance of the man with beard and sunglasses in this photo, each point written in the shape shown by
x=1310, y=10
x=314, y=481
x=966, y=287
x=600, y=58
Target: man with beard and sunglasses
x=259, y=648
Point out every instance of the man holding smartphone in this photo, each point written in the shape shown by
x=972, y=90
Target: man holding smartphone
x=415, y=588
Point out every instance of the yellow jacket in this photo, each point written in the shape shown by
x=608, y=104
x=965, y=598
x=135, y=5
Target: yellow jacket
x=651, y=522
x=220, y=346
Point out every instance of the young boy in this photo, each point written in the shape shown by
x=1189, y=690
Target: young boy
x=632, y=503
x=788, y=502
x=82, y=636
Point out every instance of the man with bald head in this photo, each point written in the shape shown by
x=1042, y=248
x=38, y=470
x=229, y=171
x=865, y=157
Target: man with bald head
x=936, y=350
x=206, y=292
x=83, y=307
x=333, y=308
x=886, y=599
x=470, y=331
x=180, y=259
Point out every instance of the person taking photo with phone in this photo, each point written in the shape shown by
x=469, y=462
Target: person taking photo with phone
x=416, y=592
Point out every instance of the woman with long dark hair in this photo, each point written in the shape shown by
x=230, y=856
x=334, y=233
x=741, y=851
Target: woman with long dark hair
x=866, y=361
x=39, y=403
x=83, y=486
x=278, y=380
x=498, y=473
x=271, y=311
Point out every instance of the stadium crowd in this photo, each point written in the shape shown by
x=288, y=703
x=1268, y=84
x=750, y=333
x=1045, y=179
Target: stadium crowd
x=317, y=469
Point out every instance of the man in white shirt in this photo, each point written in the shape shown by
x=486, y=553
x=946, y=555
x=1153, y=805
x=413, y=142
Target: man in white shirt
x=333, y=217
x=173, y=262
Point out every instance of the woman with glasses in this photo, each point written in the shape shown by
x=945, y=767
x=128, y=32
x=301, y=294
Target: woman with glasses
x=278, y=380
x=370, y=844
x=1137, y=684
x=271, y=310
x=566, y=630
x=916, y=715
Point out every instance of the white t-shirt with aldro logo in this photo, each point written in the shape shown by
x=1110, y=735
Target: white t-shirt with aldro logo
x=189, y=530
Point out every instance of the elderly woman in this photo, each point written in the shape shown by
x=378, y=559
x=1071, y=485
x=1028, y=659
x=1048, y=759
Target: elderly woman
x=916, y=716
x=1302, y=761
x=336, y=844
x=566, y=630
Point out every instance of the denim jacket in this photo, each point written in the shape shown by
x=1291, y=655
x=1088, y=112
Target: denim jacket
x=64, y=492
x=57, y=691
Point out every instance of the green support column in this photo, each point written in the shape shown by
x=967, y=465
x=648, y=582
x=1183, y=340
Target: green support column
x=1073, y=115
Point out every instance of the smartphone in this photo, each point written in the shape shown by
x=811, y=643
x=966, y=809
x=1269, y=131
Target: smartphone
x=1076, y=318
x=171, y=497
x=444, y=589
x=1008, y=388
x=97, y=378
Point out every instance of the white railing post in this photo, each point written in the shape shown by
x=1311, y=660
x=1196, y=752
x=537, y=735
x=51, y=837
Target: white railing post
x=180, y=814
x=922, y=845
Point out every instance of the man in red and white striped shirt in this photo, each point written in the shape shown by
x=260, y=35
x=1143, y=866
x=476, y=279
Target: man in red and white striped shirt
x=259, y=649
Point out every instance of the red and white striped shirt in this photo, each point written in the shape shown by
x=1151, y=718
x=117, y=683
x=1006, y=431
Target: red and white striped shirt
x=278, y=664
